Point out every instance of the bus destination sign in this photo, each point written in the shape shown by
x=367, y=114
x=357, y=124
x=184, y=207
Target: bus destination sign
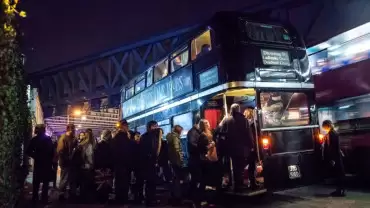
x=179, y=83
x=275, y=57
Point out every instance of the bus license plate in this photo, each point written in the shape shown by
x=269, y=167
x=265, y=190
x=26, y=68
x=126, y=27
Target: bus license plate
x=294, y=172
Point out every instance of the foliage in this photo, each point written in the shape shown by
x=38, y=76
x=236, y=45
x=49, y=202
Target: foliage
x=14, y=112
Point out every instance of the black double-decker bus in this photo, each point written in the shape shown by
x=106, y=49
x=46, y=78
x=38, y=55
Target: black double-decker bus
x=234, y=58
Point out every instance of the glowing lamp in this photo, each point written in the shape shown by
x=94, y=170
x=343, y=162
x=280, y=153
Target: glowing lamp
x=77, y=112
x=265, y=143
x=321, y=138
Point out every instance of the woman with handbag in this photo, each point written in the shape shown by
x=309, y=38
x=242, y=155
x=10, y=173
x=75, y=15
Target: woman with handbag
x=211, y=174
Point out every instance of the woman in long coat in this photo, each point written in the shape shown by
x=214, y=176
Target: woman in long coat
x=334, y=156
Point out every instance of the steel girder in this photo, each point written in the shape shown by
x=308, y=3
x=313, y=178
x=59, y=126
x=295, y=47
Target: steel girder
x=102, y=75
x=317, y=20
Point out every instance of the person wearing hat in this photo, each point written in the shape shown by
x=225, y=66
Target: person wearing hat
x=41, y=149
x=121, y=161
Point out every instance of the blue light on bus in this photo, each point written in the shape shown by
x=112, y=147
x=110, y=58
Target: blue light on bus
x=344, y=49
x=266, y=26
x=286, y=37
x=344, y=106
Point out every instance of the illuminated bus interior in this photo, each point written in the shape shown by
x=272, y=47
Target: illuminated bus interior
x=346, y=48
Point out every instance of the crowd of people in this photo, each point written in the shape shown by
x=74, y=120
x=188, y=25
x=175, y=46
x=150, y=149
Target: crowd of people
x=125, y=162
x=128, y=162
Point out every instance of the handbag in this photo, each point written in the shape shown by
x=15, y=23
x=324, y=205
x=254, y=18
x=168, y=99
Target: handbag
x=212, y=154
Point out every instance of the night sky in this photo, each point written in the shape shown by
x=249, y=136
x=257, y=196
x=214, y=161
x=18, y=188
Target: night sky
x=56, y=32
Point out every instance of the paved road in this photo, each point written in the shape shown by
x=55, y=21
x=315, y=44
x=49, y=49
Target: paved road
x=311, y=197
x=316, y=196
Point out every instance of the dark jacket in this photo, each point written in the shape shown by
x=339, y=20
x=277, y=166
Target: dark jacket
x=66, y=144
x=238, y=135
x=41, y=149
x=333, y=152
x=134, y=150
x=103, y=155
x=193, y=138
x=150, y=145
x=121, y=149
x=163, y=155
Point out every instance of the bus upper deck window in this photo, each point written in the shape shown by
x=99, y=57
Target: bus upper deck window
x=179, y=59
x=267, y=33
x=149, y=77
x=201, y=45
x=161, y=70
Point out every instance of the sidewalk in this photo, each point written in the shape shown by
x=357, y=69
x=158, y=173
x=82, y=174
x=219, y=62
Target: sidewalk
x=162, y=194
x=319, y=195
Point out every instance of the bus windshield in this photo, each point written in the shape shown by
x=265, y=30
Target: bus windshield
x=267, y=33
x=284, y=109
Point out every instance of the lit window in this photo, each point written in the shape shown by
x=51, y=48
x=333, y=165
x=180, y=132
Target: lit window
x=149, y=77
x=139, y=86
x=201, y=45
x=129, y=92
x=179, y=59
x=284, y=109
x=161, y=70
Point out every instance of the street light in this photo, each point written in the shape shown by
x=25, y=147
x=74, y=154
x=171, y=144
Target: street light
x=83, y=118
x=77, y=112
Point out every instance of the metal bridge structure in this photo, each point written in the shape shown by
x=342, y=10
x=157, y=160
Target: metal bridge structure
x=87, y=91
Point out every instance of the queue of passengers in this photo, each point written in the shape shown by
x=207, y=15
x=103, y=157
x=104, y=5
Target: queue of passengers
x=93, y=167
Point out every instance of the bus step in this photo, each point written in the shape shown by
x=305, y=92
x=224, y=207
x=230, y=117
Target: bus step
x=246, y=192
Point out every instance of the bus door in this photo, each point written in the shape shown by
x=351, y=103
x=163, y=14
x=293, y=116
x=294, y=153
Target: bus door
x=213, y=115
x=245, y=98
x=260, y=143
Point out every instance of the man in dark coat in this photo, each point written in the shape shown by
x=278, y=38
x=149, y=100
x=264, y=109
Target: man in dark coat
x=194, y=158
x=55, y=162
x=121, y=157
x=163, y=162
x=138, y=188
x=41, y=149
x=150, y=146
x=103, y=165
x=238, y=140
